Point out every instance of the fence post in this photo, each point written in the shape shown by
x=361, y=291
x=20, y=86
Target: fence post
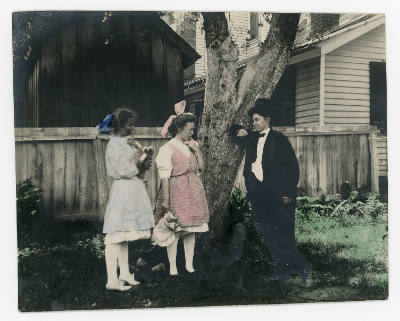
x=102, y=187
x=373, y=149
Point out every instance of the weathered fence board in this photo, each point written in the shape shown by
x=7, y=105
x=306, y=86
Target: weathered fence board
x=68, y=164
x=327, y=159
x=382, y=155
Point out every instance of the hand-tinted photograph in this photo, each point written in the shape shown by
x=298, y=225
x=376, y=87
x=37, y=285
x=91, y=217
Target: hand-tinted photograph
x=189, y=159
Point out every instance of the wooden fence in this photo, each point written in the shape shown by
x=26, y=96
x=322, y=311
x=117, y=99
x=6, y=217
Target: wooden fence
x=382, y=154
x=68, y=164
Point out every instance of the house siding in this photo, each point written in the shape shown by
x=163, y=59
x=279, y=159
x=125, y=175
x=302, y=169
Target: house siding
x=348, y=17
x=307, y=93
x=239, y=24
x=347, y=80
x=253, y=47
x=200, y=64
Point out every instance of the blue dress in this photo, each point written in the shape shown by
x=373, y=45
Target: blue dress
x=129, y=214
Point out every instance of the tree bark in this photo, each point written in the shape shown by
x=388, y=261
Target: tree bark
x=227, y=100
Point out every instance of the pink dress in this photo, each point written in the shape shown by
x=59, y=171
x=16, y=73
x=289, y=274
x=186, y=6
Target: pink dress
x=187, y=198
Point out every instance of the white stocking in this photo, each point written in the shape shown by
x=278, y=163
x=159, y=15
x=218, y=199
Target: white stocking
x=123, y=260
x=188, y=244
x=111, y=254
x=171, y=251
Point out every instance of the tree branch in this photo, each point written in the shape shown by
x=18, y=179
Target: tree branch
x=261, y=75
x=222, y=57
x=215, y=27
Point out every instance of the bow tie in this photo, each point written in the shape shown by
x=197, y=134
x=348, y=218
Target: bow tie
x=260, y=135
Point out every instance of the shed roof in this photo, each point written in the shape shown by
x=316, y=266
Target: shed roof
x=33, y=28
x=190, y=55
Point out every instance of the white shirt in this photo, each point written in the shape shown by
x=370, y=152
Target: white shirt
x=164, y=157
x=256, y=167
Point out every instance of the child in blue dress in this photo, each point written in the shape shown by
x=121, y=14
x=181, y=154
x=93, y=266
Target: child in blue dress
x=129, y=214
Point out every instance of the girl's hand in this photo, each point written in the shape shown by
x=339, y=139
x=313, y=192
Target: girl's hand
x=147, y=163
x=131, y=141
x=149, y=150
x=134, y=143
x=165, y=205
x=241, y=132
x=193, y=145
x=142, y=158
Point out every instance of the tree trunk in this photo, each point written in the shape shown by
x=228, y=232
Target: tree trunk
x=228, y=99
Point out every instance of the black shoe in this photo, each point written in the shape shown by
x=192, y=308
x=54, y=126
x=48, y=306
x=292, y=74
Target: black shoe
x=175, y=277
x=195, y=275
x=143, y=276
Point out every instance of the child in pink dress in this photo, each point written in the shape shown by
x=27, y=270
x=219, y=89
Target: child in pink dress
x=179, y=164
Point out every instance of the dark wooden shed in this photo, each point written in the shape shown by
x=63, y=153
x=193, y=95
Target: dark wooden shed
x=85, y=64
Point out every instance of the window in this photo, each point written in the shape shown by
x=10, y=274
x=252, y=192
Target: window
x=284, y=98
x=254, y=25
x=378, y=111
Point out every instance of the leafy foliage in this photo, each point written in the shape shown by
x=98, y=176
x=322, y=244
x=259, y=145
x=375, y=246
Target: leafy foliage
x=28, y=209
x=68, y=271
x=358, y=204
x=239, y=208
x=255, y=257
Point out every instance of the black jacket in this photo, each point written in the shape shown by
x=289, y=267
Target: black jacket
x=279, y=163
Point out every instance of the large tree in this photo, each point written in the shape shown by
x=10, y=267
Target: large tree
x=228, y=99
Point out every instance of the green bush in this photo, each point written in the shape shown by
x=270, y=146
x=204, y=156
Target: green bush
x=319, y=206
x=358, y=205
x=29, y=198
x=239, y=208
x=348, y=208
x=345, y=209
x=68, y=270
x=61, y=272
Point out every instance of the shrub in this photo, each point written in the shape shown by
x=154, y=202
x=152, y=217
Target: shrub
x=28, y=208
x=355, y=205
x=239, y=208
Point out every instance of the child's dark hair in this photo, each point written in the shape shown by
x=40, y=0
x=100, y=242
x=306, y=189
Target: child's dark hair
x=180, y=121
x=121, y=117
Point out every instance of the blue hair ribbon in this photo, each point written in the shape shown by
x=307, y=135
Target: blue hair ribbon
x=105, y=127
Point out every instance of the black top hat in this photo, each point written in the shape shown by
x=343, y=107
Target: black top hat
x=262, y=107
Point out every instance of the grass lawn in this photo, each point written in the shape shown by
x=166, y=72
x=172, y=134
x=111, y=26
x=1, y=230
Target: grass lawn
x=349, y=263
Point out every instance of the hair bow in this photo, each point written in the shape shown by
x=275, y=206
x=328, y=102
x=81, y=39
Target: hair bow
x=179, y=109
x=105, y=127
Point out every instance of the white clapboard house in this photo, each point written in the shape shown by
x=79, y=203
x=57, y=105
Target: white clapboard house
x=335, y=80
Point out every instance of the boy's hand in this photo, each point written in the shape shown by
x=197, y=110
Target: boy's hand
x=286, y=200
x=241, y=132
